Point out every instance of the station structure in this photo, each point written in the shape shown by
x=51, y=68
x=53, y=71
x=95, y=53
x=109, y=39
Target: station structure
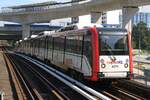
x=14, y=31
x=45, y=12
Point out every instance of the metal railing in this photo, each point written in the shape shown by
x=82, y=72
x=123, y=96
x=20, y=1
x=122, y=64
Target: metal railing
x=145, y=80
x=40, y=8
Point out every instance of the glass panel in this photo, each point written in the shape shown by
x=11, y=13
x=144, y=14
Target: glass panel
x=113, y=43
x=74, y=44
x=59, y=43
x=87, y=51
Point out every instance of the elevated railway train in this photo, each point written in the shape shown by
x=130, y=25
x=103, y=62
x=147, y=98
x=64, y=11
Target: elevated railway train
x=92, y=53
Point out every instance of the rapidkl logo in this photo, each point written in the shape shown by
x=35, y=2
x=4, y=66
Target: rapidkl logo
x=114, y=62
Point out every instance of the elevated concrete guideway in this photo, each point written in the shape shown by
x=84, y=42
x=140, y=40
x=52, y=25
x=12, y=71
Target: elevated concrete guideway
x=14, y=28
x=56, y=11
x=10, y=36
x=14, y=31
x=45, y=12
x=31, y=14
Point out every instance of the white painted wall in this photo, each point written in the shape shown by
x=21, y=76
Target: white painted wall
x=113, y=17
x=60, y=22
x=85, y=19
x=145, y=9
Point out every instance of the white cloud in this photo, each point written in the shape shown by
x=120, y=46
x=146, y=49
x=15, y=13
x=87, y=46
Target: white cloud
x=145, y=9
x=113, y=17
x=37, y=1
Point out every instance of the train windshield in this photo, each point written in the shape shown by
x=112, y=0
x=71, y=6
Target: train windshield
x=113, y=43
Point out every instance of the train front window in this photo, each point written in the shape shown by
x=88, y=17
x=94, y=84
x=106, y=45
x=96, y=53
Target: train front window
x=113, y=44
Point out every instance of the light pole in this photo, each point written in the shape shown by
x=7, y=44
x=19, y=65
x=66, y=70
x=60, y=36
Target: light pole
x=139, y=51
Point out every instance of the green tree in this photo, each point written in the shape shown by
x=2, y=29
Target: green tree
x=141, y=35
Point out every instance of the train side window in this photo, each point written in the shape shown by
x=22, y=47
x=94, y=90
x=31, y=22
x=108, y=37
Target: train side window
x=68, y=44
x=61, y=41
x=50, y=43
x=43, y=42
x=79, y=44
x=74, y=44
x=36, y=43
x=56, y=43
x=87, y=50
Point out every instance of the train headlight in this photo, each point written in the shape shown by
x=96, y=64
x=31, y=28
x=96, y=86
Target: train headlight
x=126, y=65
x=103, y=65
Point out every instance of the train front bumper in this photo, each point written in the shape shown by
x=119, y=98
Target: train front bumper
x=114, y=75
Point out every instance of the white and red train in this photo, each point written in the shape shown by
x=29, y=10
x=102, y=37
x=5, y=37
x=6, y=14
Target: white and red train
x=91, y=53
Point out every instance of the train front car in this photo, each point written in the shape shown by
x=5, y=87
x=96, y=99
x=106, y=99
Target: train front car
x=115, y=58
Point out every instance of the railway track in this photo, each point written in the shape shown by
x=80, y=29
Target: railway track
x=82, y=91
x=134, y=88
x=115, y=91
x=47, y=88
x=118, y=93
x=24, y=84
x=124, y=90
x=19, y=82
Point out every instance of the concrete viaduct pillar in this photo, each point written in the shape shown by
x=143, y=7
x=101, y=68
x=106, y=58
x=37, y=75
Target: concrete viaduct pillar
x=96, y=17
x=25, y=31
x=127, y=14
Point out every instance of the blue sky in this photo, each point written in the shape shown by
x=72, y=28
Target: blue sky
x=6, y=3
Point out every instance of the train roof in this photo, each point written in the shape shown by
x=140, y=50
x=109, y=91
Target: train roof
x=112, y=29
x=83, y=26
x=78, y=26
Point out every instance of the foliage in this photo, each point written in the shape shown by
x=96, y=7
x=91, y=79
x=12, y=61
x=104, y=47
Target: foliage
x=11, y=42
x=141, y=35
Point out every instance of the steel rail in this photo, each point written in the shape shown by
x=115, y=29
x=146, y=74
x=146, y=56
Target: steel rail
x=54, y=89
x=135, y=88
x=129, y=94
x=31, y=93
x=15, y=80
x=77, y=86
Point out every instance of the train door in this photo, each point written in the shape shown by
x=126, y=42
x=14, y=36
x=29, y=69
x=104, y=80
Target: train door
x=61, y=42
x=78, y=46
x=87, y=55
x=45, y=48
x=58, y=53
x=73, y=52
